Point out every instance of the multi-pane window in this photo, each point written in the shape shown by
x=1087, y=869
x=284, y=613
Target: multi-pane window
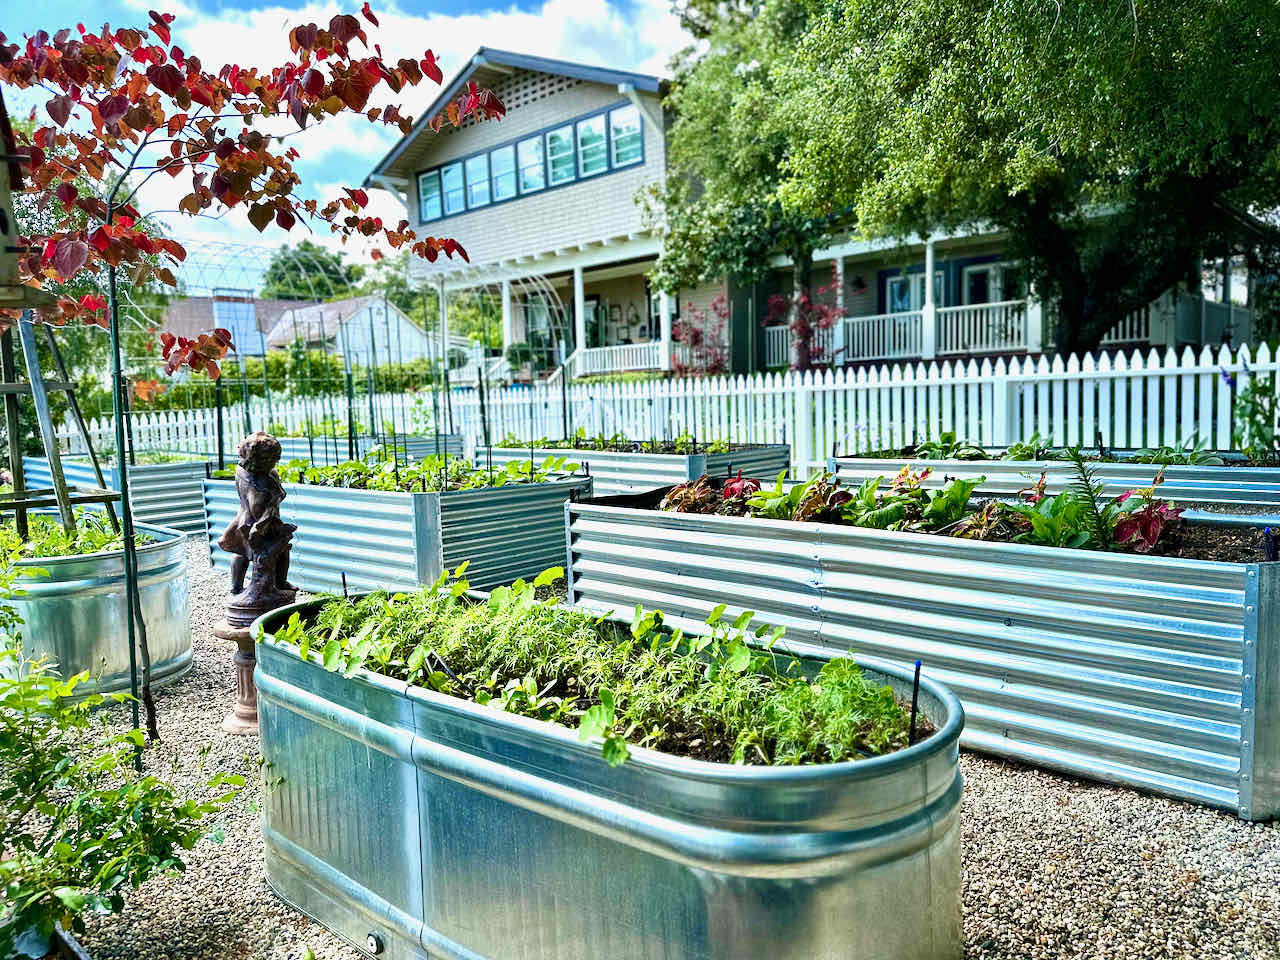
x=608, y=140
x=478, y=181
x=593, y=148
x=429, y=207
x=455, y=196
x=560, y=155
x=502, y=162
x=533, y=172
x=625, y=136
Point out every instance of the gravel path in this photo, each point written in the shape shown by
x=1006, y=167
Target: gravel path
x=1054, y=868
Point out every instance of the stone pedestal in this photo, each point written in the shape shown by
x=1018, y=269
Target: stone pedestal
x=243, y=718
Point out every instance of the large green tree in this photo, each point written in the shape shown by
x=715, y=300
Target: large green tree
x=1118, y=142
x=719, y=207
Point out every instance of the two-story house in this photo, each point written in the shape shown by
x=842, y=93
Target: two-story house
x=545, y=203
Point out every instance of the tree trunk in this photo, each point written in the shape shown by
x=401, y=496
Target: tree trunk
x=798, y=324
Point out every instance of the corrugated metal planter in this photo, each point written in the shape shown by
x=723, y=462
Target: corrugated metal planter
x=400, y=541
x=1158, y=673
x=75, y=611
x=166, y=494
x=634, y=472
x=1240, y=486
x=500, y=836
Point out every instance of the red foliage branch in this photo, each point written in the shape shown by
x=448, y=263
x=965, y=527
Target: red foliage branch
x=118, y=94
x=807, y=316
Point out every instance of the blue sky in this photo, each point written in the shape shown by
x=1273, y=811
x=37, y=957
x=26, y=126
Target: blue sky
x=626, y=34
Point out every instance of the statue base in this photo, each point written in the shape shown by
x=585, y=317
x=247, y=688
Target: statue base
x=243, y=718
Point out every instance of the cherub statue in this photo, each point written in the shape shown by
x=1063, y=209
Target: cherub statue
x=257, y=537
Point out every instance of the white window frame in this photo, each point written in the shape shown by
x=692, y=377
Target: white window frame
x=480, y=182
x=915, y=290
x=512, y=172
x=430, y=175
x=633, y=111
x=602, y=121
x=540, y=145
x=570, y=134
x=444, y=190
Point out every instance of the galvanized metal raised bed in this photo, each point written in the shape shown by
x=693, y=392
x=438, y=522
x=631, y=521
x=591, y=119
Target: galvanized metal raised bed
x=1238, y=486
x=1157, y=673
x=633, y=472
x=75, y=611
x=167, y=494
x=500, y=836
x=400, y=541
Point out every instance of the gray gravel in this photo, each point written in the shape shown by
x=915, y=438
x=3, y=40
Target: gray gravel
x=1054, y=868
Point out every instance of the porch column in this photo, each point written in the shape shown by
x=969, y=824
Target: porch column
x=838, y=357
x=1035, y=324
x=929, y=313
x=508, y=335
x=579, y=311
x=664, y=327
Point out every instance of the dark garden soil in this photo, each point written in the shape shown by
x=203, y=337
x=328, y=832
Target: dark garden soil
x=1195, y=541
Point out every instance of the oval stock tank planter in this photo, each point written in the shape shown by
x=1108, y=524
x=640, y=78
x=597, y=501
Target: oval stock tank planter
x=399, y=541
x=1153, y=672
x=165, y=494
x=498, y=836
x=615, y=473
x=74, y=610
x=1220, y=485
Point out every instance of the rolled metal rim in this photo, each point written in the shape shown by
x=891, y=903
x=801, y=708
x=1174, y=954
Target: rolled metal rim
x=164, y=539
x=720, y=774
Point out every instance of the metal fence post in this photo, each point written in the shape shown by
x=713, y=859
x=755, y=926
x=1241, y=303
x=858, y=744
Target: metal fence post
x=1260, y=695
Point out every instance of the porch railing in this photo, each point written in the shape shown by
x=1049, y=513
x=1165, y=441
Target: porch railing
x=1134, y=328
x=883, y=336
x=617, y=359
x=983, y=328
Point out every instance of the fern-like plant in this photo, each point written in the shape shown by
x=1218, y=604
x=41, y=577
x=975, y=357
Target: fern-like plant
x=1099, y=515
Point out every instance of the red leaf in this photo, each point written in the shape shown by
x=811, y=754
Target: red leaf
x=167, y=78
x=69, y=257
x=343, y=27
x=159, y=26
x=368, y=14
x=284, y=219
x=313, y=82
x=305, y=36
x=359, y=196
x=429, y=67
x=59, y=108
x=93, y=302
x=100, y=239
x=67, y=193
x=112, y=109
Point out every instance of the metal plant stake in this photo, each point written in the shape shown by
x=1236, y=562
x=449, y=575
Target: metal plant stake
x=260, y=543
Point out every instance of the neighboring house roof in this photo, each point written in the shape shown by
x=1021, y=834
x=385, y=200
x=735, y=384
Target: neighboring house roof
x=192, y=316
x=316, y=322
x=506, y=59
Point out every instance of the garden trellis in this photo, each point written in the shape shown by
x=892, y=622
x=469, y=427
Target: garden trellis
x=328, y=364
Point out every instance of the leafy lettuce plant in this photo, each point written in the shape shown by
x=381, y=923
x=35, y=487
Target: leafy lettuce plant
x=947, y=447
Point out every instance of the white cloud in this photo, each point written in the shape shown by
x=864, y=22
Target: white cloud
x=638, y=35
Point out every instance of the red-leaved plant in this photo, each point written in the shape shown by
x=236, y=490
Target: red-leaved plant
x=809, y=318
x=1142, y=527
x=126, y=102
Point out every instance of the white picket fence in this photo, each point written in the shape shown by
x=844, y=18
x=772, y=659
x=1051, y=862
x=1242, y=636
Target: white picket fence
x=1135, y=400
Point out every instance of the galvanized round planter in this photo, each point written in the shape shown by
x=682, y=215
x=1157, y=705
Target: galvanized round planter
x=74, y=611
x=419, y=825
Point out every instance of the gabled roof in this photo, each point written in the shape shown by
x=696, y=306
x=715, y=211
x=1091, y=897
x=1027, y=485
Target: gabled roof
x=487, y=56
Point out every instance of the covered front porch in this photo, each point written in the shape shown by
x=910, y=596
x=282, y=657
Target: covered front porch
x=583, y=312
x=978, y=304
